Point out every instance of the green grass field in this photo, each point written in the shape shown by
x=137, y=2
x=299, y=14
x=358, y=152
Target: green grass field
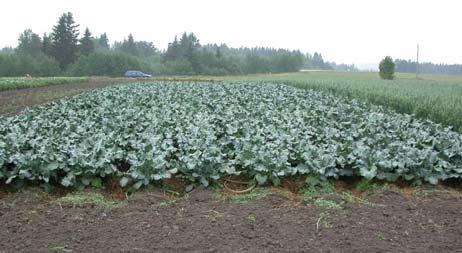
x=438, y=98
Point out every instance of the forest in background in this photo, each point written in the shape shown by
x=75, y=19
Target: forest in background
x=65, y=52
x=409, y=66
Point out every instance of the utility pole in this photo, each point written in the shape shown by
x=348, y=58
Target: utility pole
x=218, y=55
x=417, y=63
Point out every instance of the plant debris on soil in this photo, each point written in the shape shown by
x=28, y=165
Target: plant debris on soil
x=269, y=220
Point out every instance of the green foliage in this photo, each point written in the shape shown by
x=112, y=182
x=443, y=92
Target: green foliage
x=29, y=43
x=19, y=65
x=105, y=64
x=369, y=187
x=187, y=51
x=203, y=131
x=433, y=97
x=317, y=192
x=47, y=47
x=65, y=40
x=316, y=61
x=167, y=203
x=102, y=43
x=66, y=53
x=212, y=59
x=255, y=194
x=387, y=68
x=251, y=218
x=142, y=49
x=7, y=50
x=315, y=188
x=323, y=221
x=409, y=66
x=22, y=83
x=87, y=45
x=325, y=203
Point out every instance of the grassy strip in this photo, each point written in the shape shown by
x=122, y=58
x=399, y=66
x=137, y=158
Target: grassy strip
x=23, y=83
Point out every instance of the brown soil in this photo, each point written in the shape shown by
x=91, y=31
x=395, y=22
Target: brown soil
x=202, y=221
x=13, y=102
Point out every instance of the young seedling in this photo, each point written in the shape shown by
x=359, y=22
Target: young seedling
x=251, y=218
x=322, y=217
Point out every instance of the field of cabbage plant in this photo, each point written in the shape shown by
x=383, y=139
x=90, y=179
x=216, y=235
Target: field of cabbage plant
x=203, y=131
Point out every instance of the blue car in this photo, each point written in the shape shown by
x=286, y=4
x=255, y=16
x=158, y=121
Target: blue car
x=136, y=74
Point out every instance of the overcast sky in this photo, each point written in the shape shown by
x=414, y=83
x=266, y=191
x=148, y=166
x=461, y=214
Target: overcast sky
x=354, y=31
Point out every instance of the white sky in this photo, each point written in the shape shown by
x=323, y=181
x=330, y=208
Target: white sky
x=354, y=31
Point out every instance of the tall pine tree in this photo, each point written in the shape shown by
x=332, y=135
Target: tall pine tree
x=103, y=41
x=86, y=43
x=129, y=46
x=173, y=51
x=64, y=40
x=47, y=45
x=190, y=48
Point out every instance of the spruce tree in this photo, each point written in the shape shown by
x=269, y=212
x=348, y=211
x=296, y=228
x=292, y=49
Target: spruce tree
x=130, y=46
x=64, y=40
x=47, y=45
x=86, y=43
x=173, y=51
x=103, y=41
x=190, y=48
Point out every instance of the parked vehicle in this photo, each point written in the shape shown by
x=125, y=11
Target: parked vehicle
x=136, y=74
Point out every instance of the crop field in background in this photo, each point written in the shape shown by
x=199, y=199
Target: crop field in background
x=202, y=131
x=7, y=83
x=434, y=97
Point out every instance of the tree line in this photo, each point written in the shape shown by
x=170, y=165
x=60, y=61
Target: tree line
x=64, y=51
x=408, y=66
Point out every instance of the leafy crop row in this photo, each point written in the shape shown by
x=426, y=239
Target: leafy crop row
x=22, y=83
x=203, y=131
x=433, y=97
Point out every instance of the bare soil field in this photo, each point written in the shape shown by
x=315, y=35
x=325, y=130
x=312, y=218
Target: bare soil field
x=394, y=220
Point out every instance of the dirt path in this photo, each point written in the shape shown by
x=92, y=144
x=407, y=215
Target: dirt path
x=205, y=222
x=14, y=101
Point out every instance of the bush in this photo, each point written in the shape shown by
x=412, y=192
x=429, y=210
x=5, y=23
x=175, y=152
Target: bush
x=105, y=64
x=387, y=68
x=180, y=67
x=20, y=65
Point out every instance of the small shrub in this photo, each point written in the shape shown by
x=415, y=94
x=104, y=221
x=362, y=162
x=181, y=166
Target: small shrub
x=387, y=68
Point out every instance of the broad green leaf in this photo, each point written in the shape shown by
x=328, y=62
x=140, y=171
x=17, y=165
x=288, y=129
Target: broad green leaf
x=261, y=179
x=124, y=181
